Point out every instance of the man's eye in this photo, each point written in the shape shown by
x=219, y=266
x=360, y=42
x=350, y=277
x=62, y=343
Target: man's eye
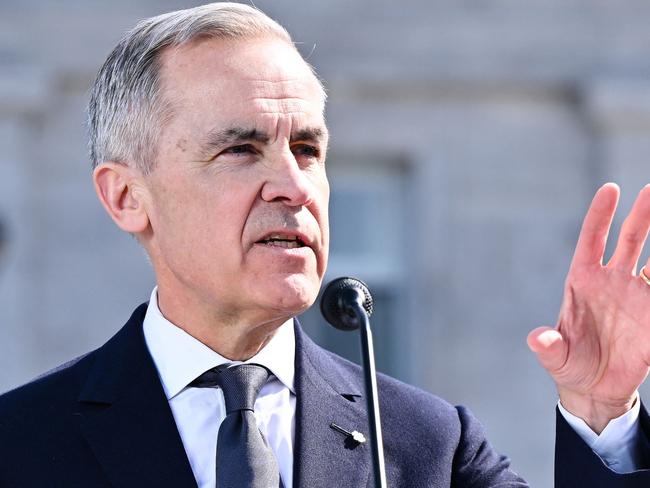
x=307, y=150
x=241, y=149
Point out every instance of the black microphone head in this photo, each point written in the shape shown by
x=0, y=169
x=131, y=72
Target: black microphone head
x=332, y=304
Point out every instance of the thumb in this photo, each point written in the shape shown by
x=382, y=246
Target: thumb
x=549, y=346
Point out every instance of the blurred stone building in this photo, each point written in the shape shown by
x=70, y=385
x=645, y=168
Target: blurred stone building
x=467, y=140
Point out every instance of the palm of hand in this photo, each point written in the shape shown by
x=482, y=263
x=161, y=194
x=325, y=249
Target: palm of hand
x=604, y=322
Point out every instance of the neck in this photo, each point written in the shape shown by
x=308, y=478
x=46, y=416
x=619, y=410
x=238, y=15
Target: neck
x=232, y=336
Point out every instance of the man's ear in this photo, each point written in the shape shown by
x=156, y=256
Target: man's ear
x=121, y=191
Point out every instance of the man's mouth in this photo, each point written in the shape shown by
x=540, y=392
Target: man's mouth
x=285, y=241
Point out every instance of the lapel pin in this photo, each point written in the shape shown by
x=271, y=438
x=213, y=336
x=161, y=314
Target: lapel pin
x=358, y=436
x=355, y=435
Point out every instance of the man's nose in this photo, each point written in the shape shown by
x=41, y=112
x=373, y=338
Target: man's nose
x=287, y=182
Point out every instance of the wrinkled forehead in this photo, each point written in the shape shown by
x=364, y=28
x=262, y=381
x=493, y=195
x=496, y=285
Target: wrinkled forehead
x=230, y=69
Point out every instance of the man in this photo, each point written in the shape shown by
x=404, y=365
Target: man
x=208, y=143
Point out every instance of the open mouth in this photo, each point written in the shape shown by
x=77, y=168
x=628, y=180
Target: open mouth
x=284, y=241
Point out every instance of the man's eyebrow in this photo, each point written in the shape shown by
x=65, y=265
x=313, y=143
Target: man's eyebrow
x=218, y=138
x=312, y=134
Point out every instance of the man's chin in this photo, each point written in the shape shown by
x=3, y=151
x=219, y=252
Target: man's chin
x=293, y=294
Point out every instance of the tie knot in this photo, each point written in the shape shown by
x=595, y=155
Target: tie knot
x=240, y=384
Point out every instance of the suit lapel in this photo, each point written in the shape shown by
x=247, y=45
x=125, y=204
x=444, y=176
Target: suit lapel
x=125, y=416
x=322, y=455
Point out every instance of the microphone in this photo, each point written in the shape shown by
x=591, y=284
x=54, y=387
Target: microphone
x=338, y=301
x=347, y=305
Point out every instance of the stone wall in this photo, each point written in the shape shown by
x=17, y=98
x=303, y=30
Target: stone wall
x=504, y=117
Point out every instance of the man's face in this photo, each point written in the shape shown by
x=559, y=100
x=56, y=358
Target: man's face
x=238, y=194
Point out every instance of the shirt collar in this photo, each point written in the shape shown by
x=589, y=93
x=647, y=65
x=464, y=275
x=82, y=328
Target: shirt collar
x=180, y=358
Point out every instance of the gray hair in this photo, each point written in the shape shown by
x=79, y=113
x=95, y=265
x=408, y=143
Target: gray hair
x=127, y=109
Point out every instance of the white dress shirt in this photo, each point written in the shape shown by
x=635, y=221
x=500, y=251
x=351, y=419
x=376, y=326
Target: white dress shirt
x=198, y=412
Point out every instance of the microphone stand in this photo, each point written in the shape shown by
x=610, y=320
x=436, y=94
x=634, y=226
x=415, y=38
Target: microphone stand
x=356, y=312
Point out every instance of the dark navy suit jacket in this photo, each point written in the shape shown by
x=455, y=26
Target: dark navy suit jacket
x=103, y=420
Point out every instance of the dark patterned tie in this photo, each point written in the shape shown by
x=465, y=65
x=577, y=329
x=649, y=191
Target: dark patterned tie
x=244, y=459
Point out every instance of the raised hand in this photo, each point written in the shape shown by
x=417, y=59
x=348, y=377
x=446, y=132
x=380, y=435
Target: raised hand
x=599, y=352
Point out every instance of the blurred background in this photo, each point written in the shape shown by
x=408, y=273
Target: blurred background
x=467, y=140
